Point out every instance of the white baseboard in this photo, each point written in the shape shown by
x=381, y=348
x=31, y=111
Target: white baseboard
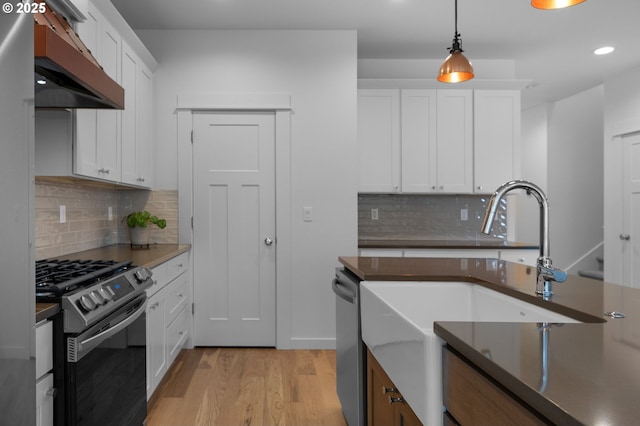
x=325, y=343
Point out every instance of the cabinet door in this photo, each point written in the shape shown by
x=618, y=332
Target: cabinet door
x=405, y=416
x=156, y=341
x=144, y=104
x=108, y=121
x=97, y=142
x=379, y=140
x=45, y=401
x=455, y=141
x=129, y=160
x=496, y=138
x=419, y=155
x=85, y=143
x=379, y=387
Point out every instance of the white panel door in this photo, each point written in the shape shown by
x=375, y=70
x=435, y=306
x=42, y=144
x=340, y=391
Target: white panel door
x=234, y=229
x=630, y=232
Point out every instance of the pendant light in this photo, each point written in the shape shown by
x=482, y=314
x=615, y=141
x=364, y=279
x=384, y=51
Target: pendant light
x=554, y=4
x=456, y=67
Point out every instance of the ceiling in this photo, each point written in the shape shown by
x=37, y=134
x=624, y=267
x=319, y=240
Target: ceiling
x=552, y=48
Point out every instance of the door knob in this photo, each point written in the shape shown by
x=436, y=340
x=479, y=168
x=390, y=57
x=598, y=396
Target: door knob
x=268, y=241
x=625, y=237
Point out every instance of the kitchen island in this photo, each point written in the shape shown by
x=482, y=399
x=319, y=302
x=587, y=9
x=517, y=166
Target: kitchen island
x=590, y=370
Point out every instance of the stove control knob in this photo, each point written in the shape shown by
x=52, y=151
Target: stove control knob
x=106, y=294
x=97, y=297
x=142, y=275
x=87, y=303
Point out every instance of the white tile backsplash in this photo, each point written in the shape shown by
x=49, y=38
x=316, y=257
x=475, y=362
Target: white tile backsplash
x=87, y=223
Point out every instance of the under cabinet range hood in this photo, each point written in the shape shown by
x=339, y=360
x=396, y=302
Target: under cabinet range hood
x=66, y=73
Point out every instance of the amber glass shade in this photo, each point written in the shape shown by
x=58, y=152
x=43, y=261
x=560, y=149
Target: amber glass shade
x=554, y=4
x=455, y=68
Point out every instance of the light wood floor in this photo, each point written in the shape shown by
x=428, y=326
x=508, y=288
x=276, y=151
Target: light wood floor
x=249, y=387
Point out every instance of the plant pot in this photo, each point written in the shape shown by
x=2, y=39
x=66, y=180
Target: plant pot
x=139, y=236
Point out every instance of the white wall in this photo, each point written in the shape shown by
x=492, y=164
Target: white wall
x=575, y=177
x=621, y=115
x=562, y=153
x=535, y=131
x=318, y=69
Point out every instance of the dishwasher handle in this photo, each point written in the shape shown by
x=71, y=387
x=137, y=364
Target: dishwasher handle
x=341, y=291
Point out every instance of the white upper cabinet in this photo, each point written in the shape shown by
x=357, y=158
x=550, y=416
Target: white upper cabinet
x=446, y=141
x=455, y=141
x=98, y=131
x=136, y=119
x=496, y=138
x=379, y=140
x=419, y=141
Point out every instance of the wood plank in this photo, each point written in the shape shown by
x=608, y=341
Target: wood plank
x=248, y=386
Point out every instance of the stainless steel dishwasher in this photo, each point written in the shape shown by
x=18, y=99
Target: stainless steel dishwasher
x=350, y=353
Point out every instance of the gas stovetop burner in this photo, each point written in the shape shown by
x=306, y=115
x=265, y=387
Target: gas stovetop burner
x=55, y=278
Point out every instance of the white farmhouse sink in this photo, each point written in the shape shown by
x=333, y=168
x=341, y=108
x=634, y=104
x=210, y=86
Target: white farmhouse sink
x=397, y=326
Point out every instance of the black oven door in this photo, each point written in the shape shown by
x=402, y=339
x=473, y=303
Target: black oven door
x=105, y=371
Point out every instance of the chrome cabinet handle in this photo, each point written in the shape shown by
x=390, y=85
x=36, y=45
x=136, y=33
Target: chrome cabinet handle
x=268, y=241
x=625, y=237
x=394, y=400
x=386, y=390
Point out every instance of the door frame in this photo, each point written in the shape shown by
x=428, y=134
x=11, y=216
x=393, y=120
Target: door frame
x=280, y=104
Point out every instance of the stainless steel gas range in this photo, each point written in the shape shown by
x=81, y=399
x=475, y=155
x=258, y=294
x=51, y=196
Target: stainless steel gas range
x=104, y=338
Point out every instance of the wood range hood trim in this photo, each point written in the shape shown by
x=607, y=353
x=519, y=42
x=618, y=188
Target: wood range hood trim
x=74, y=78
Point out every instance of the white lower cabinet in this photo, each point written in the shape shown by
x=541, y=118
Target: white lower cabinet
x=168, y=315
x=45, y=392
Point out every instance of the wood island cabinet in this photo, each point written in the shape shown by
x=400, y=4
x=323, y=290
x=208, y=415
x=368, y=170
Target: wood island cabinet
x=470, y=398
x=385, y=404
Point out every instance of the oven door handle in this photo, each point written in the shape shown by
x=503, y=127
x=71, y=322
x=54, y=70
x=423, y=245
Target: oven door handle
x=86, y=345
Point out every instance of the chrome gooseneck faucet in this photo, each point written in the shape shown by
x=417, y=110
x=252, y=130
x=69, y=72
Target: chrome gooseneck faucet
x=545, y=272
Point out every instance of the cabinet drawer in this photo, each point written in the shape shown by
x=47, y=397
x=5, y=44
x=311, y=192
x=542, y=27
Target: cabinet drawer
x=44, y=348
x=177, y=266
x=472, y=398
x=159, y=275
x=177, y=334
x=177, y=296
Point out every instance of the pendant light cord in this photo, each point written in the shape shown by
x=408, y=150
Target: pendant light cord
x=456, y=17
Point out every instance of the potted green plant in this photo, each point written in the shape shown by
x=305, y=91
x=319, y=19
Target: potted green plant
x=138, y=222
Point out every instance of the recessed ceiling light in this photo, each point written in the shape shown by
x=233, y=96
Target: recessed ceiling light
x=604, y=50
x=41, y=81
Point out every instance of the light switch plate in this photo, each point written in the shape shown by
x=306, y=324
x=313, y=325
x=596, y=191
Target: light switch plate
x=307, y=214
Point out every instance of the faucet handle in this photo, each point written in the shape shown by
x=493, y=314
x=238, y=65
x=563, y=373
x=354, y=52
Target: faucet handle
x=552, y=274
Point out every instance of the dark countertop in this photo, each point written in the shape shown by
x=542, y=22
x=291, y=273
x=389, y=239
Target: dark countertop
x=442, y=244
x=46, y=310
x=151, y=257
x=593, y=372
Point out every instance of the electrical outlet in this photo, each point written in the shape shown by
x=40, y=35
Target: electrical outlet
x=464, y=214
x=63, y=214
x=374, y=214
